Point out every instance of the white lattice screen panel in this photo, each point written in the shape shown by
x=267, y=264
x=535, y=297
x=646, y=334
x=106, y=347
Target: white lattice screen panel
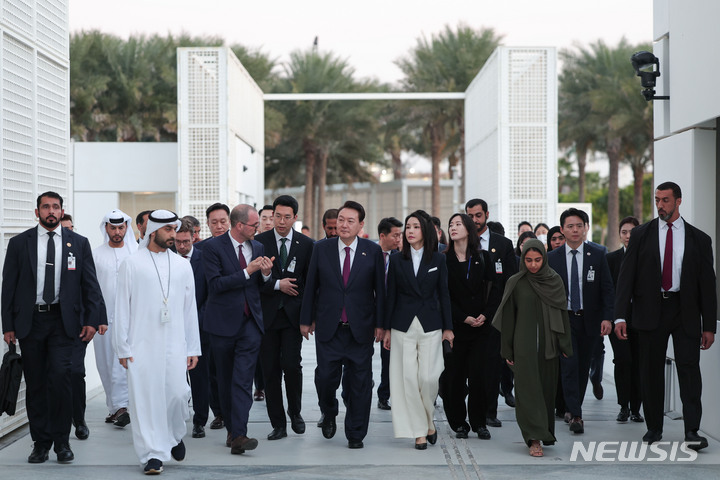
x=34, y=120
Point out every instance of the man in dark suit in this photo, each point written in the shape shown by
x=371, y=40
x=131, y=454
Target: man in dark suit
x=50, y=297
x=281, y=300
x=200, y=375
x=390, y=241
x=505, y=264
x=667, y=281
x=626, y=356
x=235, y=269
x=343, y=305
x=588, y=285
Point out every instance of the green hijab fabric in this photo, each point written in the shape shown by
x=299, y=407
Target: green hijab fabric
x=549, y=288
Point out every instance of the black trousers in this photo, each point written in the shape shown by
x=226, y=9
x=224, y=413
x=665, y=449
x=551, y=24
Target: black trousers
x=343, y=351
x=47, y=359
x=653, y=350
x=575, y=370
x=626, y=357
x=77, y=374
x=466, y=370
x=280, y=355
x=200, y=382
x=492, y=378
x=383, y=390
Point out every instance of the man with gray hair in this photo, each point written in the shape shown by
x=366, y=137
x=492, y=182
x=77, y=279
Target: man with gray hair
x=235, y=268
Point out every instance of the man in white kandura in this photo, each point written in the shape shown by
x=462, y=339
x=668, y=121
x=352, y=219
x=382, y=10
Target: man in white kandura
x=156, y=338
x=119, y=243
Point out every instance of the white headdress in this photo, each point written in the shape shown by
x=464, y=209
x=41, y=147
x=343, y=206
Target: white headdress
x=157, y=220
x=115, y=217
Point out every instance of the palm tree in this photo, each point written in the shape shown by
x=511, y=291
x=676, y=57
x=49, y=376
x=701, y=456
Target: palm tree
x=447, y=62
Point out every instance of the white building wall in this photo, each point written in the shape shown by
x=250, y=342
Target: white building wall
x=686, y=141
x=34, y=120
x=220, y=131
x=511, y=136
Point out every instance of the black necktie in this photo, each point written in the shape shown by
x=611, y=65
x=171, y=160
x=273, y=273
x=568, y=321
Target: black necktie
x=574, y=283
x=49, y=287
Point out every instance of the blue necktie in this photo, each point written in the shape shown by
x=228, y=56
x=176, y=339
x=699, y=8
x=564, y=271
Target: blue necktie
x=574, y=283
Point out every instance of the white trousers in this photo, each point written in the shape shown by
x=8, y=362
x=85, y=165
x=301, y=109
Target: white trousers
x=112, y=375
x=416, y=363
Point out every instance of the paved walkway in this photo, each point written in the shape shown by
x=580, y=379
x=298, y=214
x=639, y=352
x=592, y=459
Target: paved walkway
x=108, y=453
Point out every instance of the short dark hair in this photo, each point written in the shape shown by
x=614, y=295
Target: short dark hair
x=66, y=217
x=573, y=212
x=524, y=222
x=430, y=242
x=330, y=214
x=677, y=193
x=266, y=207
x=185, y=226
x=286, y=201
x=140, y=218
x=386, y=225
x=216, y=206
x=436, y=222
x=54, y=195
x=540, y=225
x=353, y=205
x=496, y=227
x=630, y=219
x=193, y=221
x=474, y=202
x=523, y=236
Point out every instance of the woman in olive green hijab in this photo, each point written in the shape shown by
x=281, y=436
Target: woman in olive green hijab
x=533, y=322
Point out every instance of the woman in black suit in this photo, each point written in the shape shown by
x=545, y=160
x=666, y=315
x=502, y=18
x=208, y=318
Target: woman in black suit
x=474, y=296
x=418, y=312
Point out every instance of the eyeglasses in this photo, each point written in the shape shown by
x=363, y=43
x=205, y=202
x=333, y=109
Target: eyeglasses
x=254, y=225
x=287, y=218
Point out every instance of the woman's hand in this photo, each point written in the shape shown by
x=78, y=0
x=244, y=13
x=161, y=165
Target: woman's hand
x=386, y=340
x=449, y=336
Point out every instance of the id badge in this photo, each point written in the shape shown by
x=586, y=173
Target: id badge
x=291, y=267
x=498, y=267
x=71, y=262
x=591, y=275
x=164, y=315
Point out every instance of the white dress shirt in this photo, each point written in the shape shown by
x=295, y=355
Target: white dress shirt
x=42, y=259
x=484, y=239
x=416, y=256
x=246, y=251
x=278, y=242
x=341, y=250
x=677, y=252
x=579, y=257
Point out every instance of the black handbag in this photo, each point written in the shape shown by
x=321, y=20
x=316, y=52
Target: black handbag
x=10, y=378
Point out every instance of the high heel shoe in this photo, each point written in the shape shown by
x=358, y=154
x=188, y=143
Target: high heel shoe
x=432, y=437
x=420, y=446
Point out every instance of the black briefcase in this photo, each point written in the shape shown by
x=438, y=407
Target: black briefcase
x=10, y=378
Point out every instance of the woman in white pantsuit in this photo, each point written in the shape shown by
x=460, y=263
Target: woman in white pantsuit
x=418, y=319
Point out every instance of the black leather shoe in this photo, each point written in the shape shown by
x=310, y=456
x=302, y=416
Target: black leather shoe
x=277, y=433
x=198, y=431
x=432, y=439
x=577, y=425
x=652, y=436
x=636, y=417
x=695, y=441
x=64, y=454
x=178, y=452
x=510, y=400
x=483, y=433
x=623, y=415
x=321, y=420
x=421, y=446
x=153, y=467
x=384, y=405
x=297, y=423
x=217, y=423
x=493, y=422
x=598, y=391
x=462, y=432
x=355, y=444
x=38, y=455
x=82, y=432
x=329, y=427
x=122, y=419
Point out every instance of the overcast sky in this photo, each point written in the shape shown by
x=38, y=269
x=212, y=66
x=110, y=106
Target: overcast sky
x=371, y=34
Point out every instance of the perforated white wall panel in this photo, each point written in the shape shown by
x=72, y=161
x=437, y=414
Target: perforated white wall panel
x=34, y=120
x=511, y=136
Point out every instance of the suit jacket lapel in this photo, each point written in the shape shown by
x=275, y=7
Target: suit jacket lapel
x=230, y=252
x=422, y=273
x=360, y=256
x=563, y=270
x=334, y=258
x=32, y=245
x=654, y=232
x=410, y=273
